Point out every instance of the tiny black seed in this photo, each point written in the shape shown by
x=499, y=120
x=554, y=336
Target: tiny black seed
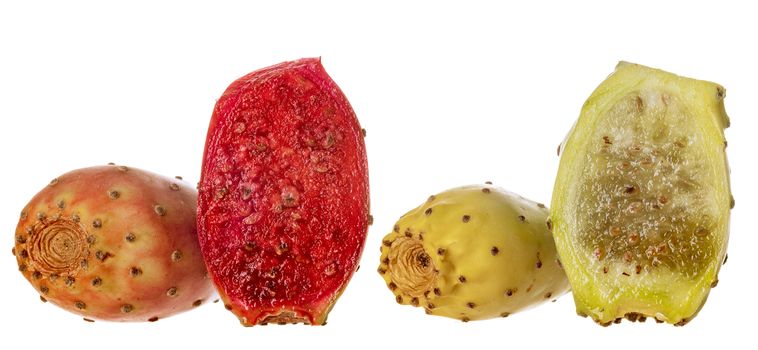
x=88, y=320
x=510, y=292
x=130, y=237
x=494, y=251
x=466, y=218
x=97, y=223
x=80, y=305
x=462, y=279
x=548, y=295
x=113, y=194
x=437, y=292
x=42, y=299
x=440, y=251
x=171, y=292
x=97, y=281
x=470, y=305
x=726, y=257
x=521, y=218
x=152, y=319
x=428, y=211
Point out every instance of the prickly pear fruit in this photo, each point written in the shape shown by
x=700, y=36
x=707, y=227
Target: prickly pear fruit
x=284, y=196
x=642, y=199
x=473, y=253
x=114, y=243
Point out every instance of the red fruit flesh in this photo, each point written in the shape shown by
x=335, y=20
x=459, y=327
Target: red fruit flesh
x=284, y=200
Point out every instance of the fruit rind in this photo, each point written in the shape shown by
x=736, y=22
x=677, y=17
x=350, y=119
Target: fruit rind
x=472, y=253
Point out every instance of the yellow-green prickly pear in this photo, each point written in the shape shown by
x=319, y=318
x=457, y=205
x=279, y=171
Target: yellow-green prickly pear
x=473, y=253
x=640, y=209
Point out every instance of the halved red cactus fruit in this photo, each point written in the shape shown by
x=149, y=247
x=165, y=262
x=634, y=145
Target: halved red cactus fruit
x=283, y=208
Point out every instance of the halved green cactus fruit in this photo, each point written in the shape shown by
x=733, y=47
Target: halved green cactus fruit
x=642, y=198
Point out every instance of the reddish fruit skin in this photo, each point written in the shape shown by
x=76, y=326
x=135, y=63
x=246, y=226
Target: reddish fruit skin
x=114, y=243
x=283, y=206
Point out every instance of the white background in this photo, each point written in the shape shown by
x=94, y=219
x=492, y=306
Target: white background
x=450, y=95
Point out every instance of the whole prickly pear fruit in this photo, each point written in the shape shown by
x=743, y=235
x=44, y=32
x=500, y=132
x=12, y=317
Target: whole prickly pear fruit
x=284, y=196
x=473, y=253
x=642, y=199
x=114, y=243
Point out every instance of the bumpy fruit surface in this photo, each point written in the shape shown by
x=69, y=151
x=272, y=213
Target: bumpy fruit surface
x=284, y=201
x=472, y=253
x=641, y=202
x=114, y=243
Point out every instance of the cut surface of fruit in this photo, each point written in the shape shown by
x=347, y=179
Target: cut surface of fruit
x=642, y=199
x=283, y=204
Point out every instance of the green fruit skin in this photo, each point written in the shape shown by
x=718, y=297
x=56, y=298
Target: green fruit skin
x=472, y=253
x=665, y=294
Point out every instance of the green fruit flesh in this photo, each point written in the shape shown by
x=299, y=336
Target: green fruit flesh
x=642, y=199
